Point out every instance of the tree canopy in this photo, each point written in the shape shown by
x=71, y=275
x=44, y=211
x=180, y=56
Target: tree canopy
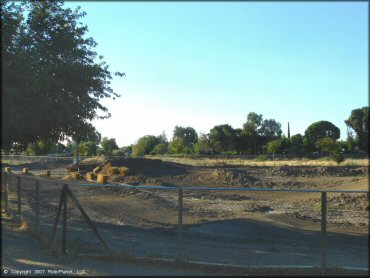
x=320, y=130
x=52, y=79
x=359, y=122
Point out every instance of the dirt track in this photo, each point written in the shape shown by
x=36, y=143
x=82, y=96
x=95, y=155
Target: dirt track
x=252, y=228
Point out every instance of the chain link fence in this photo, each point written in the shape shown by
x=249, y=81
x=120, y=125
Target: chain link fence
x=239, y=227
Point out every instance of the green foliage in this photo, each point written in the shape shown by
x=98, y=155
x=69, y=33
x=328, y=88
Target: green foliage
x=177, y=146
x=261, y=157
x=274, y=146
x=327, y=145
x=359, y=122
x=320, y=130
x=108, y=145
x=52, y=80
x=203, y=146
x=88, y=148
x=144, y=145
x=222, y=138
x=188, y=135
x=338, y=158
x=296, y=145
x=41, y=147
x=160, y=149
x=118, y=152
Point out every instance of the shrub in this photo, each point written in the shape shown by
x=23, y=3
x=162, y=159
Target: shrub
x=160, y=149
x=261, y=157
x=338, y=158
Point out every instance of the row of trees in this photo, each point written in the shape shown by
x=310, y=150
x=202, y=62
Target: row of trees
x=106, y=146
x=258, y=136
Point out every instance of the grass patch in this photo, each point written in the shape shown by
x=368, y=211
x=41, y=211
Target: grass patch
x=252, y=162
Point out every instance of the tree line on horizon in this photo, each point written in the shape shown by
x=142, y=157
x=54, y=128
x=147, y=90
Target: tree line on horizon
x=260, y=136
x=257, y=136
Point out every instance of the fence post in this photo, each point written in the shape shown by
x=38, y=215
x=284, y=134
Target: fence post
x=6, y=200
x=323, y=232
x=37, y=206
x=180, y=238
x=19, y=196
x=64, y=236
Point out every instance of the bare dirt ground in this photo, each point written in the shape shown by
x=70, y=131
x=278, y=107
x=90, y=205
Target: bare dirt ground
x=234, y=227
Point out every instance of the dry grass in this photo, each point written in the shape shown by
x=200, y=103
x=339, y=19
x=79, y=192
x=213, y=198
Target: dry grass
x=245, y=162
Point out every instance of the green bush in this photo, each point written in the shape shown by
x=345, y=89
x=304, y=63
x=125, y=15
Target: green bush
x=261, y=157
x=338, y=158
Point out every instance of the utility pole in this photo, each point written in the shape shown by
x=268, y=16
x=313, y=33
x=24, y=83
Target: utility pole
x=288, y=131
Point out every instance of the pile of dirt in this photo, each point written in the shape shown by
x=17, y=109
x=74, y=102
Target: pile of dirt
x=331, y=171
x=234, y=177
x=147, y=167
x=351, y=202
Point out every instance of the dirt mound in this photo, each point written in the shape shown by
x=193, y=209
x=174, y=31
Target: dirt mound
x=234, y=177
x=331, y=171
x=147, y=167
x=352, y=202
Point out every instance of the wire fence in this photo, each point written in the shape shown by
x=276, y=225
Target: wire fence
x=227, y=226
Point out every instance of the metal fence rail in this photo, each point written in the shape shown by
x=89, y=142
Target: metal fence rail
x=32, y=190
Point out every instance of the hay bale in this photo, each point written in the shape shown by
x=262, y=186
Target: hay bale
x=25, y=171
x=8, y=170
x=112, y=170
x=76, y=176
x=102, y=179
x=90, y=176
x=123, y=171
x=97, y=170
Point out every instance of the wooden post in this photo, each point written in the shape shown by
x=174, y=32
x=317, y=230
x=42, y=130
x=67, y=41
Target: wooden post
x=62, y=196
x=6, y=200
x=323, y=232
x=37, y=206
x=19, y=196
x=180, y=237
x=64, y=235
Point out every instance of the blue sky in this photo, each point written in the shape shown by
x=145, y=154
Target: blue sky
x=208, y=63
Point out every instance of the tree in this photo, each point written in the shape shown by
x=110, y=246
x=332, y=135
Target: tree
x=222, y=138
x=41, y=147
x=296, y=144
x=327, y=145
x=43, y=95
x=258, y=132
x=108, y=145
x=145, y=145
x=160, y=149
x=203, y=146
x=274, y=147
x=270, y=130
x=320, y=130
x=187, y=134
x=88, y=148
x=177, y=146
x=359, y=122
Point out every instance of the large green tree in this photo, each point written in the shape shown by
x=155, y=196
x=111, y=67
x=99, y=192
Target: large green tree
x=187, y=134
x=258, y=132
x=145, y=145
x=359, y=122
x=222, y=138
x=109, y=145
x=320, y=130
x=52, y=79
